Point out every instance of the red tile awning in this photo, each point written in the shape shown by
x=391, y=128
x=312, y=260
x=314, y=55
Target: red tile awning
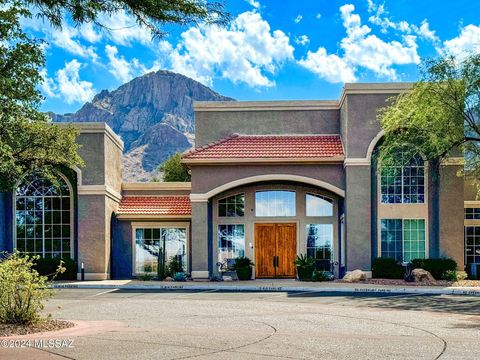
x=161, y=206
x=265, y=148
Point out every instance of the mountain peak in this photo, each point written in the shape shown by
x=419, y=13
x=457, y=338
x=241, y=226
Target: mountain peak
x=137, y=107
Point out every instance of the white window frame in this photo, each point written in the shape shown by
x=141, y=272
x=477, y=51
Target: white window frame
x=159, y=225
x=229, y=196
x=275, y=216
x=329, y=200
x=72, y=216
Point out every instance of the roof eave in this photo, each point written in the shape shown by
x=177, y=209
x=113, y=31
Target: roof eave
x=244, y=161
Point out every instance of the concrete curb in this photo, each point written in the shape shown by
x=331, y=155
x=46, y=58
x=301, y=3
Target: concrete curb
x=294, y=289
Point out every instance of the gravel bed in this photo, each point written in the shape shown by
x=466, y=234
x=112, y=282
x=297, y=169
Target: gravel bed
x=23, y=329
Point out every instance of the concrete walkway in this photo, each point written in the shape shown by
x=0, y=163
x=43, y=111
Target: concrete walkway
x=276, y=285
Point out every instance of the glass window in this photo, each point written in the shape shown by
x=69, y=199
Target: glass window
x=317, y=205
x=472, y=213
x=232, y=206
x=403, y=240
x=231, y=241
x=319, y=241
x=274, y=203
x=150, y=241
x=472, y=244
x=43, y=217
x=403, y=183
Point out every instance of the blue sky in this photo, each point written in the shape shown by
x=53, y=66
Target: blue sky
x=273, y=49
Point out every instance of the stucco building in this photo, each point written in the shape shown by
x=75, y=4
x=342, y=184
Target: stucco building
x=270, y=180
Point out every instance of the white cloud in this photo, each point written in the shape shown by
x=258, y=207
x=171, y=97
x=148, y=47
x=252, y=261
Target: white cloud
x=329, y=67
x=122, y=69
x=468, y=41
x=361, y=49
x=243, y=52
x=302, y=40
x=88, y=32
x=253, y=3
x=298, y=19
x=71, y=87
x=47, y=85
x=318, y=16
x=65, y=39
x=123, y=30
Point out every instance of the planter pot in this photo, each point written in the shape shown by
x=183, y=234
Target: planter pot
x=304, y=273
x=244, y=273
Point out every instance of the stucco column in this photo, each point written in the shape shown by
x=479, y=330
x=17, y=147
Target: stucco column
x=199, y=246
x=451, y=204
x=358, y=217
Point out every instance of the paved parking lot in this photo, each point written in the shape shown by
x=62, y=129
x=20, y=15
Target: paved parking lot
x=215, y=325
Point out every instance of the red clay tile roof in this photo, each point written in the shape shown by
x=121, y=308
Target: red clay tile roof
x=269, y=147
x=176, y=205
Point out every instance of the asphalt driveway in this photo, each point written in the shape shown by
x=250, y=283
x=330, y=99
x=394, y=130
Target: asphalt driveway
x=215, y=325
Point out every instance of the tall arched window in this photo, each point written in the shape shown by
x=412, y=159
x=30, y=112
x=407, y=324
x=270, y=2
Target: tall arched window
x=43, y=216
x=403, y=182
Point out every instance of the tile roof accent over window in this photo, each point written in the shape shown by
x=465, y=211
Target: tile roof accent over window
x=269, y=148
x=161, y=206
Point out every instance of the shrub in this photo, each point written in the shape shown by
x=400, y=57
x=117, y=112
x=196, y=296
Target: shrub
x=437, y=267
x=174, y=266
x=48, y=267
x=23, y=291
x=387, y=268
x=320, y=275
x=243, y=267
x=450, y=275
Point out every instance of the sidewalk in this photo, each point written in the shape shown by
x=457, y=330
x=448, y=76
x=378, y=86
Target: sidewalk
x=277, y=285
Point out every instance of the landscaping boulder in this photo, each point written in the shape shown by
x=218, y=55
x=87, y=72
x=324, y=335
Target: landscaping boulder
x=422, y=275
x=355, y=276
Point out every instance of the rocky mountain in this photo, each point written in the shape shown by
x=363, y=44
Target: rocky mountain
x=152, y=113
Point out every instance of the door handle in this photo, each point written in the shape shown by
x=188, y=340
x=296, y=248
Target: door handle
x=275, y=261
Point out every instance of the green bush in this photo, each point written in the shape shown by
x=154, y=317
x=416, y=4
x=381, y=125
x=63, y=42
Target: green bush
x=387, y=268
x=305, y=265
x=450, y=275
x=243, y=267
x=320, y=275
x=23, y=291
x=437, y=267
x=48, y=267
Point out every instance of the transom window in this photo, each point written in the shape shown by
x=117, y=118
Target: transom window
x=149, y=243
x=403, y=183
x=43, y=216
x=403, y=239
x=472, y=213
x=275, y=203
x=472, y=244
x=232, y=206
x=231, y=241
x=317, y=205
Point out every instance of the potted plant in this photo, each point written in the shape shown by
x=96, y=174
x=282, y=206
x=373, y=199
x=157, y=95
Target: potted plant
x=305, y=265
x=243, y=266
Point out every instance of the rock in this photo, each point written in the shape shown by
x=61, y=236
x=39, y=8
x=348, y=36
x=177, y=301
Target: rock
x=422, y=275
x=152, y=113
x=168, y=278
x=227, y=278
x=355, y=276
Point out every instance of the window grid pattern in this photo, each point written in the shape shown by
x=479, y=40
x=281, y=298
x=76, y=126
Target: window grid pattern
x=391, y=239
x=472, y=213
x=472, y=244
x=319, y=241
x=43, y=217
x=403, y=240
x=413, y=239
x=403, y=184
x=232, y=206
x=275, y=203
x=149, y=242
x=231, y=241
x=317, y=205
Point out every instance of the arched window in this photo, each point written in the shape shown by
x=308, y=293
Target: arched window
x=232, y=206
x=404, y=181
x=43, y=216
x=317, y=205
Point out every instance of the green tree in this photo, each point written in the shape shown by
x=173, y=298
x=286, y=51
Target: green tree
x=173, y=169
x=28, y=140
x=439, y=116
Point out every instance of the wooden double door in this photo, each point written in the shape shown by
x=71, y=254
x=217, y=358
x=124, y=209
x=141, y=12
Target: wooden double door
x=275, y=250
